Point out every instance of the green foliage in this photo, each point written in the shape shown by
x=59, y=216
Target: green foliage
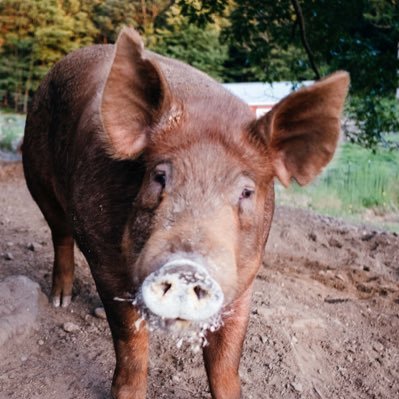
x=11, y=130
x=360, y=36
x=197, y=46
x=259, y=40
x=202, y=12
x=356, y=36
x=110, y=16
x=374, y=116
x=35, y=34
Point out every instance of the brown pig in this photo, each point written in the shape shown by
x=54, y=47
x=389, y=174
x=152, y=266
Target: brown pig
x=165, y=182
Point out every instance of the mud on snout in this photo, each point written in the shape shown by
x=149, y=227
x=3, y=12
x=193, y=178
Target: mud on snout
x=182, y=299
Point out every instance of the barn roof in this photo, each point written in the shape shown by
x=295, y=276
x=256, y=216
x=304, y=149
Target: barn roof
x=259, y=93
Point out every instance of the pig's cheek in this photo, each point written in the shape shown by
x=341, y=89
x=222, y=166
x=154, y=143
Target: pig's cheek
x=138, y=272
x=226, y=277
x=145, y=262
x=246, y=209
x=249, y=254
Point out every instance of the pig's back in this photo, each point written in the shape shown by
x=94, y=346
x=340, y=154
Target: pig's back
x=188, y=83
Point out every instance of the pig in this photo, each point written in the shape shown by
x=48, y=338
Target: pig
x=165, y=181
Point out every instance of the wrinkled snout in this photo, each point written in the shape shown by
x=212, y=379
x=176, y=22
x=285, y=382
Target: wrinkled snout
x=182, y=289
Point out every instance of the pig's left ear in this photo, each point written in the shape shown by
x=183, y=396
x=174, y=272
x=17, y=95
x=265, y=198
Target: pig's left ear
x=302, y=130
x=134, y=99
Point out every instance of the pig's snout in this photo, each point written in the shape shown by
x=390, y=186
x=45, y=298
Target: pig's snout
x=182, y=289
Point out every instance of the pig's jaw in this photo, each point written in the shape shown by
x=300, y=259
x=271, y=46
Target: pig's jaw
x=189, y=332
x=185, y=332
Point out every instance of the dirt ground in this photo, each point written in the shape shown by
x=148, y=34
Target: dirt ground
x=324, y=322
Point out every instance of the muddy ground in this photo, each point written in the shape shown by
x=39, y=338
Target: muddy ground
x=324, y=322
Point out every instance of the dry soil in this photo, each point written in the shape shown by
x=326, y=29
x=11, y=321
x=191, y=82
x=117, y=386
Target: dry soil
x=324, y=322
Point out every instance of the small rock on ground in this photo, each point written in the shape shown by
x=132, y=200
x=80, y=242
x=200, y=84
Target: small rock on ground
x=100, y=313
x=70, y=327
x=297, y=386
x=33, y=246
x=8, y=256
x=20, y=302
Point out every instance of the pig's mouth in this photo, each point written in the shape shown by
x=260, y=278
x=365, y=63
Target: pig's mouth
x=190, y=333
x=186, y=332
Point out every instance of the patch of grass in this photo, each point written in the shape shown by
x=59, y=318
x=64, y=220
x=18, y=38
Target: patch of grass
x=11, y=130
x=357, y=181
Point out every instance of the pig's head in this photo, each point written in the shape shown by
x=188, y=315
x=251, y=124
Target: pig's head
x=197, y=229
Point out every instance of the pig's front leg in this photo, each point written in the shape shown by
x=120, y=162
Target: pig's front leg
x=131, y=349
x=222, y=354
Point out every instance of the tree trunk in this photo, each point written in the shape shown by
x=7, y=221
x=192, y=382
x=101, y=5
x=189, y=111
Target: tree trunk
x=397, y=89
x=27, y=87
x=305, y=43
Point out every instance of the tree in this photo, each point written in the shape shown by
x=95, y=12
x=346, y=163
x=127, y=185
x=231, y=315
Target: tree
x=34, y=35
x=265, y=41
x=110, y=16
x=198, y=46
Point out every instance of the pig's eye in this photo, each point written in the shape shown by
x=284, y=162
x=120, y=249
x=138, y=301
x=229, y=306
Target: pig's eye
x=247, y=193
x=160, y=177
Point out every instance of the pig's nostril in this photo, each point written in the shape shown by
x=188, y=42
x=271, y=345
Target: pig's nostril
x=182, y=290
x=165, y=287
x=200, y=292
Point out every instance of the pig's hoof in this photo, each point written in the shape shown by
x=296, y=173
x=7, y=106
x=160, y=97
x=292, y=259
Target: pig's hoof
x=60, y=300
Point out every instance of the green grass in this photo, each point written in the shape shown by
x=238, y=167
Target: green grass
x=357, y=184
x=11, y=130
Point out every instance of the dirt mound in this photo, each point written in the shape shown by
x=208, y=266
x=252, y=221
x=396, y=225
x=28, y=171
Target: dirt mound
x=324, y=323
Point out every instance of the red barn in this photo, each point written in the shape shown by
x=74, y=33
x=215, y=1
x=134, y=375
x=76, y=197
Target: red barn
x=262, y=96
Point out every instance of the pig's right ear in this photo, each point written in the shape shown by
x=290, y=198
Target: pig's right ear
x=134, y=99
